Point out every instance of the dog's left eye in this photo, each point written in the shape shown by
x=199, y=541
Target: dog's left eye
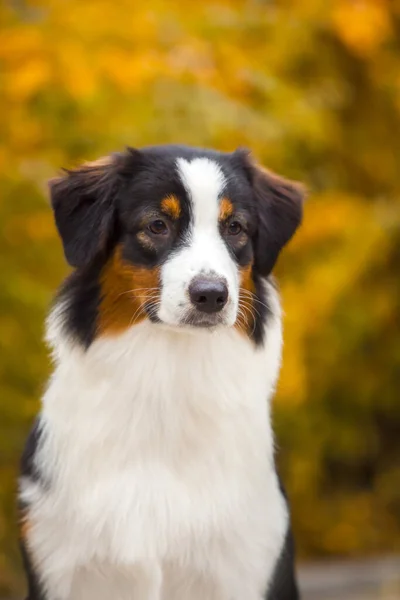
x=158, y=227
x=234, y=228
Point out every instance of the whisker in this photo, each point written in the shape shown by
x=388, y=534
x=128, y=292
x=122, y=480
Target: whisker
x=249, y=307
x=253, y=297
x=250, y=298
x=243, y=322
x=134, y=290
x=137, y=313
x=253, y=317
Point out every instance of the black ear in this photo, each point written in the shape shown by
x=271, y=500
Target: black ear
x=279, y=207
x=83, y=204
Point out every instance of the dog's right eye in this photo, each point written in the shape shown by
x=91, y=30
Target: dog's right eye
x=158, y=227
x=235, y=228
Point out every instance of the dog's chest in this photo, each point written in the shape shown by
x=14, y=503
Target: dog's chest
x=165, y=503
x=160, y=455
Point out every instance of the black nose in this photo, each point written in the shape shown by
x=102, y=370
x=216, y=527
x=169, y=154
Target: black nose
x=207, y=294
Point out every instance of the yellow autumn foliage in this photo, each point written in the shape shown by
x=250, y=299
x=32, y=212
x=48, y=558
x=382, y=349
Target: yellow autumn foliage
x=314, y=89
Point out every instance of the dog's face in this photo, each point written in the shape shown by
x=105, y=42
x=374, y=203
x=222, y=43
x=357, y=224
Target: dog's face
x=180, y=236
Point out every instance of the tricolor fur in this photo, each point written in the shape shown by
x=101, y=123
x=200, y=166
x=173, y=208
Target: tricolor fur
x=149, y=474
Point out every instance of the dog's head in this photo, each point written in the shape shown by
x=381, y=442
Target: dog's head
x=180, y=236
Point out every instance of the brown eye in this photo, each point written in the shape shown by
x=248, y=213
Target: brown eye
x=158, y=227
x=234, y=228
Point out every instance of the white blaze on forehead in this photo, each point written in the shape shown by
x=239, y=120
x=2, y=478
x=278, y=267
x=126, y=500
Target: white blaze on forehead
x=204, y=251
x=204, y=182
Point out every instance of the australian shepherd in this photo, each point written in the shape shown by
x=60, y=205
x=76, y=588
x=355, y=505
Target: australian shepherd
x=149, y=473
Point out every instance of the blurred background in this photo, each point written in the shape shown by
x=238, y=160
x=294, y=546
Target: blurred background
x=313, y=88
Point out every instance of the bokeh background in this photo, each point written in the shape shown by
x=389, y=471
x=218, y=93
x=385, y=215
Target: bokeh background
x=313, y=88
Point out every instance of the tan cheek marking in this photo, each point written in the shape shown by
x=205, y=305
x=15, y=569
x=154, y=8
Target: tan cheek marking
x=245, y=321
x=171, y=206
x=225, y=209
x=125, y=289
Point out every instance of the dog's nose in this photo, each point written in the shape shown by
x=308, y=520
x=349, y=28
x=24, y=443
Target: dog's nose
x=207, y=294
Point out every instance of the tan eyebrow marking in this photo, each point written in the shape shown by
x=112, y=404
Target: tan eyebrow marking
x=225, y=209
x=171, y=206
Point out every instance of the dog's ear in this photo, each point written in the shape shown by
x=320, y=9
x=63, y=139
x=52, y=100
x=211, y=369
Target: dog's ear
x=83, y=201
x=279, y=209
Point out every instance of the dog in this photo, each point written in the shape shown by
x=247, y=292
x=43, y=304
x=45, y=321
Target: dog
x=149, y=473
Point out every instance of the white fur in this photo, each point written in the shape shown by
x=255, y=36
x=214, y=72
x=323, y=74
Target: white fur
x=158, y=455
x=205, y=251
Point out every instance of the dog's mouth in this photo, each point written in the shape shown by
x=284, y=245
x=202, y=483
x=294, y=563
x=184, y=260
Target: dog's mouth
x=201, y=320
x=191, y=319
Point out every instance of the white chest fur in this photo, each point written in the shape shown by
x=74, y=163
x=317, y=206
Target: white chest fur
x=159, y=455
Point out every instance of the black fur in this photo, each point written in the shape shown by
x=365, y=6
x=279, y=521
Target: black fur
x=27, y=466
x=261, y=309
x=284, y=586
x=84, y=211
x=79, y=296
x=35, y=591
x=279, y=205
